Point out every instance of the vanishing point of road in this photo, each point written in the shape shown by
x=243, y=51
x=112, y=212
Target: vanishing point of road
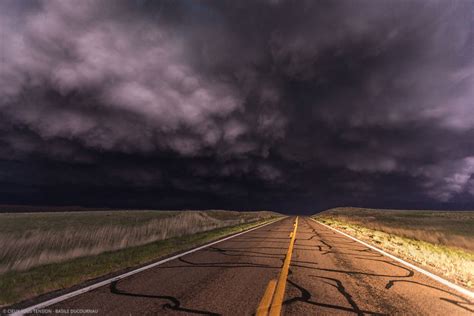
x=316, y=272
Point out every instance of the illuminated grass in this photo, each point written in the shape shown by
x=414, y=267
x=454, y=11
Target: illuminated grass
x=453, y=263
x=449, y=228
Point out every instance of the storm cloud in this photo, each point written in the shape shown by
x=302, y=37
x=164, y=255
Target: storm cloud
x=287, y=105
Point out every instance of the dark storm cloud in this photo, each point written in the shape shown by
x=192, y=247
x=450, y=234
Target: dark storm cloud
x=238, y=104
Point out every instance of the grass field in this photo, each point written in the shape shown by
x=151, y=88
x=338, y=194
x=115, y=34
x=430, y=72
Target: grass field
x=32, y=239
x=442, y=241
x=40, y=252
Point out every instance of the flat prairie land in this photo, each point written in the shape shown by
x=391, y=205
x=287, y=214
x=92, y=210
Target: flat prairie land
x=449, y=228
x=442, y=241
x=44, y=251
x=31, y=239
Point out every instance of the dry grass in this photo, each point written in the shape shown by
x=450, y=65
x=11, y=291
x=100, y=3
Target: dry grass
x=29, y=240
x=448, y=228
x=453, y=263
x=16, y=286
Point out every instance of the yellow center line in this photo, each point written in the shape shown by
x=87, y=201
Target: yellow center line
x=264, y=305
x=272, y=300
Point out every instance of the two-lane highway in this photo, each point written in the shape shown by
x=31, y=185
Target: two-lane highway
x=328, y=274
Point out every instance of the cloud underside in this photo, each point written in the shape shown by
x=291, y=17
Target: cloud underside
x=356, y=101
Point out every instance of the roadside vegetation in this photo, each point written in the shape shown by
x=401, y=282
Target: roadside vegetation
x=41, y=252
x=442, y=242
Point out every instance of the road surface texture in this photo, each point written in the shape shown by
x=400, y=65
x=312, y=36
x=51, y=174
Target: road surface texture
x=329, y=274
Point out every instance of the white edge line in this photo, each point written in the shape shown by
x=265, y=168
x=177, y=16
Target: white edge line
x=429, y=274
x=127, y=274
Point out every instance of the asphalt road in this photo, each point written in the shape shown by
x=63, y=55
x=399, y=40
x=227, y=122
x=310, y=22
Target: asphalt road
x=329, y=274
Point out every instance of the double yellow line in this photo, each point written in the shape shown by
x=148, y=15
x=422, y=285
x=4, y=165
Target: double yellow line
x=272, y=300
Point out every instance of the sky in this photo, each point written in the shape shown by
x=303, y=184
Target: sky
x=293, y=106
